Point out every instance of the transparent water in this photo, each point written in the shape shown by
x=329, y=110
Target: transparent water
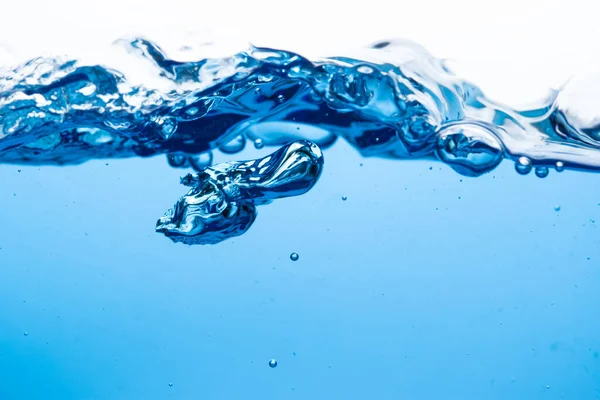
x=426, y=265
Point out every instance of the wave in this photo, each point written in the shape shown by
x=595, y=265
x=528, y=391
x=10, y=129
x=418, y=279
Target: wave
x=394, y=101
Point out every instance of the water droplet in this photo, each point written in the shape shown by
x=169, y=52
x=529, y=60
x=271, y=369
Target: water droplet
x=469, y=149
x=523, y=165
x=200, y=161
x=557, y=208
x=541, y=172
x=344, y=198
x=294, y=256
x=235, y=145
x=25, y=333
x=258, y=144
x=273, y=363
x=18, y=170
x=280, y=98
x=170, y=384
x=560, y=166
x=177, y=160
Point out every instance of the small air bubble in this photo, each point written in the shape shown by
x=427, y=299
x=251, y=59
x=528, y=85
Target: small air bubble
x=557, y=208
x=170, y=384
x=541, y=172
x=25, y=333
x=235, y=145
x=273, y=363
x=280, y=98
x=523, y=165
x=294, y=256
x=200, y=162
x=344, y=198
x=258, y=144
x=177, y=160
x=560, y=166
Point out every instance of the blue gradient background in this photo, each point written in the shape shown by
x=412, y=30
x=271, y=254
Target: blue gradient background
x=419, y=286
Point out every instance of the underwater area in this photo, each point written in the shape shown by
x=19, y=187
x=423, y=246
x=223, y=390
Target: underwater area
x=285, y=221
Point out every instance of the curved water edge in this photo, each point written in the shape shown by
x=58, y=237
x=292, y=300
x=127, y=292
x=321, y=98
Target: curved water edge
x=395, y=100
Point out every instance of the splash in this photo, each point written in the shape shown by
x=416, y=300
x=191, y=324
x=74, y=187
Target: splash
x=394, y=100
x=223, y=199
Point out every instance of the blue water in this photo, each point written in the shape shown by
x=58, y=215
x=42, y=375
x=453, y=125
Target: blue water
x=415, y=278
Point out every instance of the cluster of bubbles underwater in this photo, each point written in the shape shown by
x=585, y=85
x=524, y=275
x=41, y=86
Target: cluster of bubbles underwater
x=394, y=101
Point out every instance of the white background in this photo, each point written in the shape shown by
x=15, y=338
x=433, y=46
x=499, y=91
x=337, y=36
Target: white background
x=513, y=49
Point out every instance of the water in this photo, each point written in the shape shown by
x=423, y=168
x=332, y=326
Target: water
x=424, y=275
x=397, y=102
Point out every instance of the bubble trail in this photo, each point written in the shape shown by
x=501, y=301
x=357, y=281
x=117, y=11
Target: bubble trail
x=223, y=199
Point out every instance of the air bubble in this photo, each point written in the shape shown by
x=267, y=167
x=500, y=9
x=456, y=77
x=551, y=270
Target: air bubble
x=541, y=172
x=344, y=198
x=272, y=363
x=469, y=149
x=523, y=165
x=223, y=198
x=259, y=144
x=177, y=160
x=235, y=145
x=294, y=256
x=560, y=166
x=557, y=208
x=200, y=161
